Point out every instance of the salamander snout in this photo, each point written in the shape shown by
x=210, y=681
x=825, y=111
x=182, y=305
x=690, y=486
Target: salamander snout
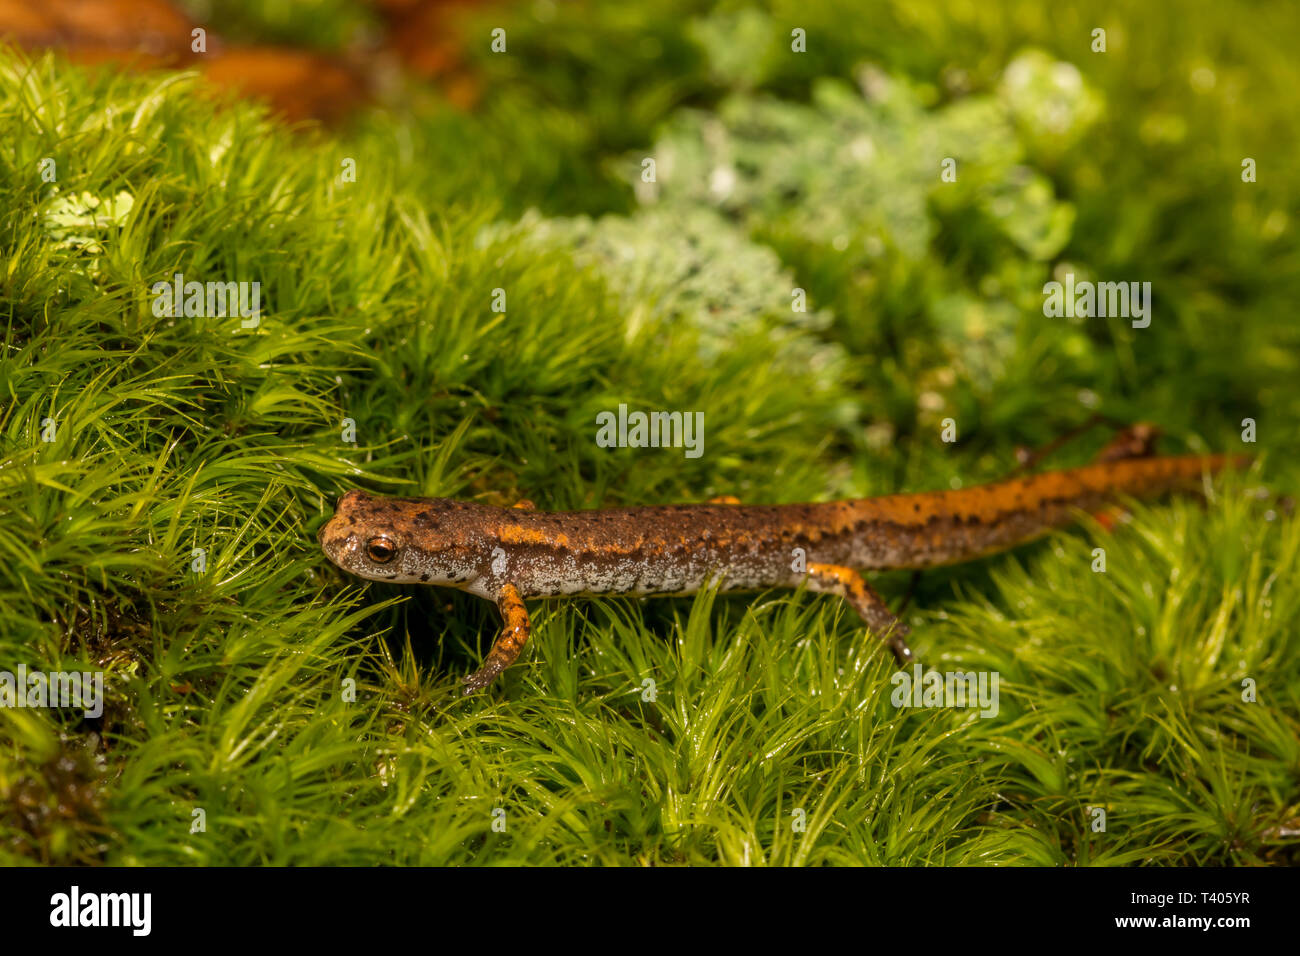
x=358, y=543
x=406, y=540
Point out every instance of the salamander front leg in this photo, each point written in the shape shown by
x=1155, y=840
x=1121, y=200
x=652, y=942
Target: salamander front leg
x=848, y=584
x=506, y=648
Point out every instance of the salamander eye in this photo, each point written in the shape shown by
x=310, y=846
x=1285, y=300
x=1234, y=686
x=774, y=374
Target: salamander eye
x=381, y=550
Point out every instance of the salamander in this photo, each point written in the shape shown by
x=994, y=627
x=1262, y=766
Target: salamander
x=507, y=555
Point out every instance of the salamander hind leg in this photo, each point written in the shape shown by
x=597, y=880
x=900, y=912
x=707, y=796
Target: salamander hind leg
x=1131, y=441
x=505, y=650
x=1135, y=441
x=848, y=584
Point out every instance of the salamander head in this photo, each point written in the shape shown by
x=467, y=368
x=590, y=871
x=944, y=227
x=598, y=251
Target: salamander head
x=407, y=540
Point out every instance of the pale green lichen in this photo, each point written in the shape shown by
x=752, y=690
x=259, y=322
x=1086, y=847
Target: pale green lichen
x=79, y=221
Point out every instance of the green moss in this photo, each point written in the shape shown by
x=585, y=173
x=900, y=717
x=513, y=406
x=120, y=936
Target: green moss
x=710, y=730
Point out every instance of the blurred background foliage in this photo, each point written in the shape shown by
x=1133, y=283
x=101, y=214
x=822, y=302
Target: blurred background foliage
x=522, y=170
x=1116, y=165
